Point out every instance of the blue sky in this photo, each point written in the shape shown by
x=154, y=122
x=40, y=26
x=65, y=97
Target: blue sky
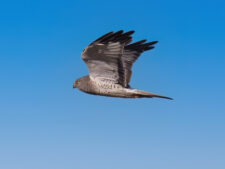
x=45, y=124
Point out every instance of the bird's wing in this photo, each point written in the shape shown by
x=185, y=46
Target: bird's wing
x=131, y=54
x=103, y=57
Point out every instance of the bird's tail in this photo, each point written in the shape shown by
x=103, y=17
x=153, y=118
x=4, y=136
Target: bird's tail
x=141, y=94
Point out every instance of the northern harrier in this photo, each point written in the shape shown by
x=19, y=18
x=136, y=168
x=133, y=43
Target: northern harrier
x=109, y=60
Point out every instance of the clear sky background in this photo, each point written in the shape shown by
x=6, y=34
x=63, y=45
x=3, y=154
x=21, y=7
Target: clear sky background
x=46, y=124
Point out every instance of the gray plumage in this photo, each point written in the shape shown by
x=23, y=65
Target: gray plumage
x=109, y=60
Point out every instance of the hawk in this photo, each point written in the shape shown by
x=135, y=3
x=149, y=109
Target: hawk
x=109, y=60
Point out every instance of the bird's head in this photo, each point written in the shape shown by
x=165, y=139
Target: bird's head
x=81, y=83
x=76, y=83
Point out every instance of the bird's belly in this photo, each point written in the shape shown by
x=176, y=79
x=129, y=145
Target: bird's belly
x=109, y=89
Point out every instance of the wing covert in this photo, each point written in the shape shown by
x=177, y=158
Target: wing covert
x=103, y=61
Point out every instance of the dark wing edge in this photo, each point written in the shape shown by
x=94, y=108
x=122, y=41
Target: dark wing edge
x=119, y=36
x=131, y=54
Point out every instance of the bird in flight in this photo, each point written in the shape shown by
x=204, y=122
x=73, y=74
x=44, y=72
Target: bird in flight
x=109, y=60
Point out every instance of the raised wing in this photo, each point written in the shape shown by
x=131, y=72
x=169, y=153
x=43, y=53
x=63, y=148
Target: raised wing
x=110, y=57
x=103, y=57
x=131, y=54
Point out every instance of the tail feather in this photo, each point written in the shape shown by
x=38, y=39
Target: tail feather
x=141, y=93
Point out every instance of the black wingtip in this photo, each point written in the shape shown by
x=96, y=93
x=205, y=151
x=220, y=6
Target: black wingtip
x=104, y=36
x=118, y=32
x=129, y=32
x=149, y=48
x=154, y=42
